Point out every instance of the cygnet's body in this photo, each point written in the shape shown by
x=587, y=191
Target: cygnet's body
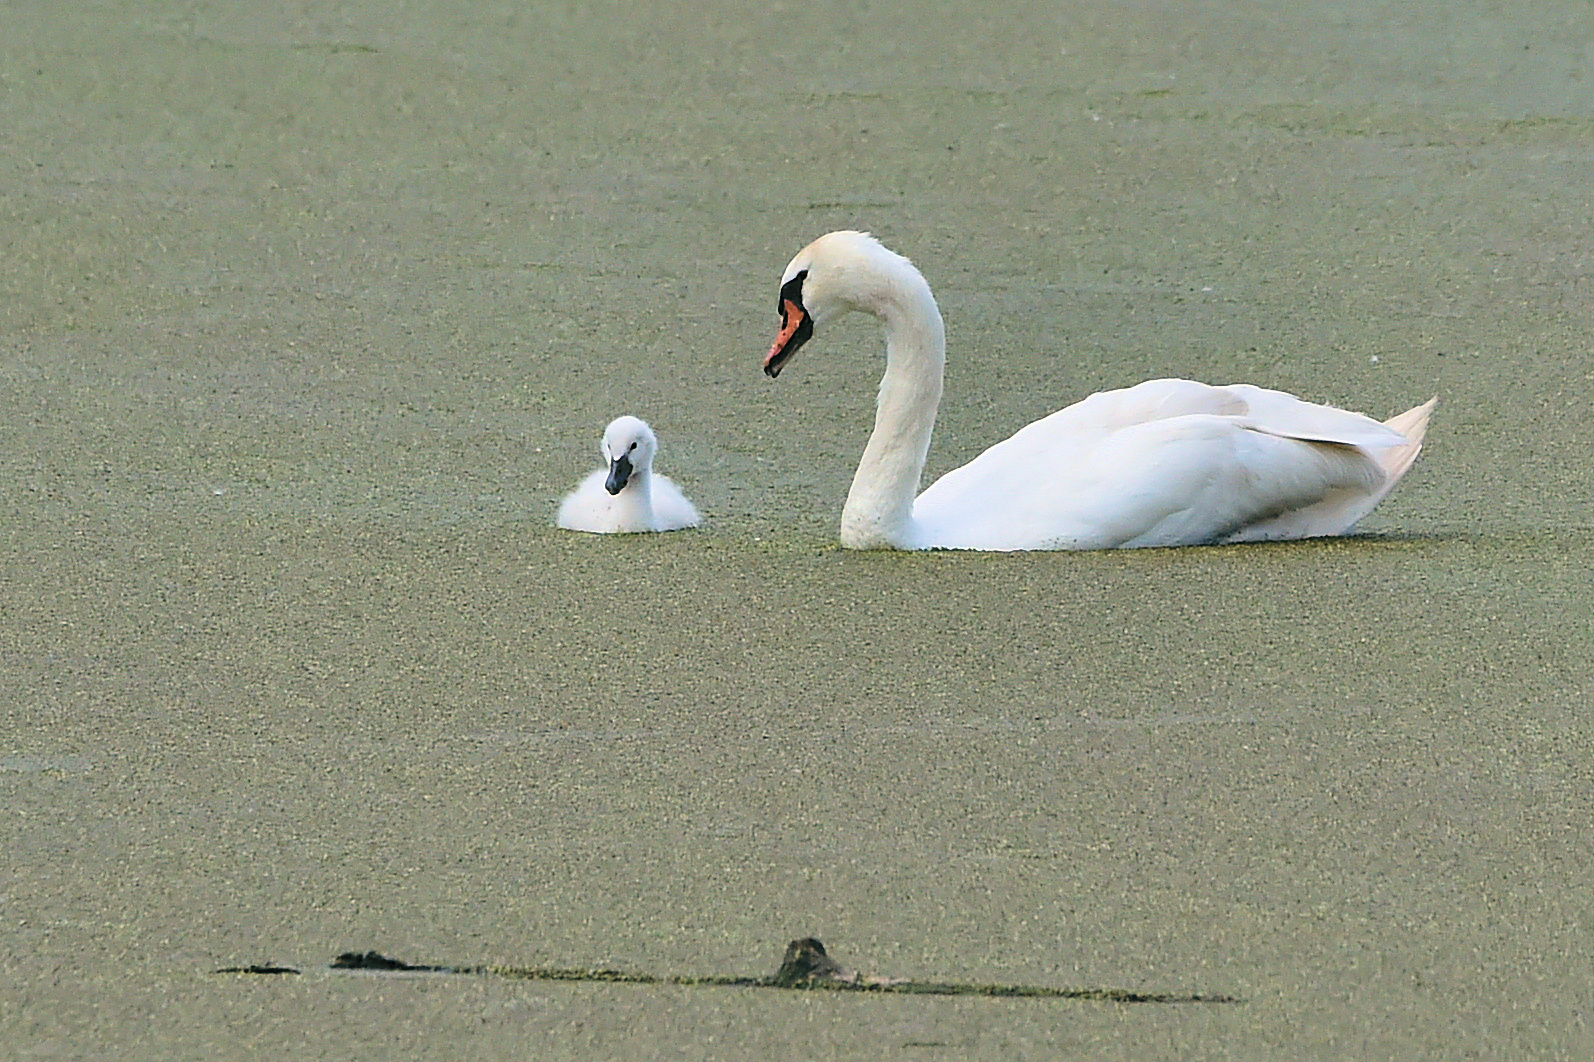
x=626, y=496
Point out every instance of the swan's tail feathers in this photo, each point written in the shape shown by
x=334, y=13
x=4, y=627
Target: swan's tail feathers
x=1413, y=424
x=1396, y=461
x=1339, y=510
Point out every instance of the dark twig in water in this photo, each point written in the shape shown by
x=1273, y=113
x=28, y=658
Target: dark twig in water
x=805, y=966
x=375, y=960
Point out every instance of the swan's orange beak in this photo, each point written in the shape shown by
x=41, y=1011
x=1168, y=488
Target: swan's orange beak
x=795, y=325
x=795, y=328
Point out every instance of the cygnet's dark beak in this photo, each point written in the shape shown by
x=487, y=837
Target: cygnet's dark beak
x=619, y=474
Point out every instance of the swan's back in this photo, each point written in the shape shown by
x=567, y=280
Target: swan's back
x=1171, y=462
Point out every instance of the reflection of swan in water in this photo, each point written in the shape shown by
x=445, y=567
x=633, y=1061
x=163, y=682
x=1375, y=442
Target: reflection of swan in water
x=627, y=496
x=1164, y=463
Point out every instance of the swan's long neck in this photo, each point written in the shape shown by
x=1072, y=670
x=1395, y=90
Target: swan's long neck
x=879, y=509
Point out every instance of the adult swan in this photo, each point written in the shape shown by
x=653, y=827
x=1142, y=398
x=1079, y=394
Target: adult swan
x=1163, y=463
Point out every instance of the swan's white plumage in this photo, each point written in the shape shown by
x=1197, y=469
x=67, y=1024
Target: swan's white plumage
x=1163, y=463
x=645, y=501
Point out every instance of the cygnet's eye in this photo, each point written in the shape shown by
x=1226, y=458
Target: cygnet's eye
x=632, y=447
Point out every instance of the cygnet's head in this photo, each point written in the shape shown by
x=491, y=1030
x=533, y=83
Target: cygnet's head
x=839, y=272
x=628, y=446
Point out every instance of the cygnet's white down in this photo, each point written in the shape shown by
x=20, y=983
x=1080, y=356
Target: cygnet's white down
x=626, y=496
x=1163, y=463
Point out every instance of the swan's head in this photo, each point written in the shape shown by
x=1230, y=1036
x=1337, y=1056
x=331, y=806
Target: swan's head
x=628, y=446
x=839, y=272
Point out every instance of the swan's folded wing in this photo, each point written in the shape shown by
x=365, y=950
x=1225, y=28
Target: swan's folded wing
x=1125, y=407
x=1171, y=462
x=1284, y=415
x=1180, y=480
x=1257, y=408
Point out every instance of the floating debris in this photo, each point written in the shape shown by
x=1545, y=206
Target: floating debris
x=806, y=965
x=806, y=960
x=375, y=960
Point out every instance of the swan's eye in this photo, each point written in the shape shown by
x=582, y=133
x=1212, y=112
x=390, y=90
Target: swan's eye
x=630, y=448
